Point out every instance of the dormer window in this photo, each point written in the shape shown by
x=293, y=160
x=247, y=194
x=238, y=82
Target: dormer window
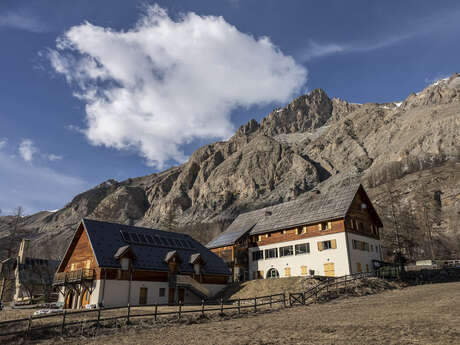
x=124, y=262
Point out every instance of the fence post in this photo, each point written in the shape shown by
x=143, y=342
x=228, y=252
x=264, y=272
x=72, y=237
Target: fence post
x=63, y=321
x=221, y=305
x=180, y=309
x=316, y=294
x=98, y=324
x=270, y=301
x=128, y=314
x=255, y=304
x=289, y=297
x=202, y=307
x=156, y=311
x=239, y=306
x=29, y=325
x=327, y=291
x=284, y=299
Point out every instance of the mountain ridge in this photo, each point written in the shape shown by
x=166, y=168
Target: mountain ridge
x=314, y=142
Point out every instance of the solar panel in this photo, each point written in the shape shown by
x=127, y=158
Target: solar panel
x=149, y=239
x=178, y=243
x=142, y=238
x=170, y=242
x=134, y=237
x=125, y=236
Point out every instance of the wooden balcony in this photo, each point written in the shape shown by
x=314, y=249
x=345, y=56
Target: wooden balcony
x=62, y=278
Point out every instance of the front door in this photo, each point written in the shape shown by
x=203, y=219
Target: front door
x=143, y=295
x=329, y=270
x=69, y=301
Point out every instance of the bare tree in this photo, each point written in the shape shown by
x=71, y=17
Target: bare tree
x=10, y=243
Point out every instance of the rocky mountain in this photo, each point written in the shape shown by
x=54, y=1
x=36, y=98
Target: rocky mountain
x=406, y=154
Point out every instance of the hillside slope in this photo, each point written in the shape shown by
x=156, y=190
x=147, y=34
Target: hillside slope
x=405, y=152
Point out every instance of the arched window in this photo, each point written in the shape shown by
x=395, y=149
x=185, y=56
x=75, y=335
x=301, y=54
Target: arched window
x=273, y=273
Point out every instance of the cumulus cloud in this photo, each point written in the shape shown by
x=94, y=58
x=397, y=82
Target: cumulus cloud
x=27, y=149
x=164, y=82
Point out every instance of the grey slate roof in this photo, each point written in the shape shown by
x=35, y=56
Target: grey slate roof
x=312, y=209
x=106, y=239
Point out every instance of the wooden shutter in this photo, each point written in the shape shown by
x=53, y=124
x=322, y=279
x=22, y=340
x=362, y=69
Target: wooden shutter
x=320, y=246
x=287, y=271
x=358, y=267
x=334, y=244
x=329, y=225
x=303, y=270
x=319, y=227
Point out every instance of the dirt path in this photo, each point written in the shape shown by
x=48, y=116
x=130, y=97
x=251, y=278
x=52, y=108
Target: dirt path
x=428, y=314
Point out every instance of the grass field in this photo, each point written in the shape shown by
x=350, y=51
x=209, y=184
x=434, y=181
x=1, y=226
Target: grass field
x=428, y=314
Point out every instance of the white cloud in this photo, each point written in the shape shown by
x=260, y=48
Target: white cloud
x=27, y=149
x=21, y=21
x=34, y=187
x=2, y=143
x=315, y=49
x=53, y=157
x=164, y=83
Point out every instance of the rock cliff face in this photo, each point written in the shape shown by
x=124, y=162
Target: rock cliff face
x=407, y=153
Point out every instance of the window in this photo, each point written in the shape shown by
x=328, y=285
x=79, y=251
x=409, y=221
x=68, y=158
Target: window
x=124, y=264
x=257, y=255
x=360, y=245
x=302, y=248
x=324, y=226
x=286, y=251
x=259, y=238
x=271, y=253
x=331, y=244
x=273, y=273
x=303, y=270
x=162, y=292
x=361, y=227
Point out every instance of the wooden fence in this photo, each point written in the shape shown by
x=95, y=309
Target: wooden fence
x=59, y=322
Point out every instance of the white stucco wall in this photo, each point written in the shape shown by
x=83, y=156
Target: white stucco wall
x=362, y=256
x=314, y=260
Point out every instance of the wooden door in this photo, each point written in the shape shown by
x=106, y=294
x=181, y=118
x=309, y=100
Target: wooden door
x=85, y=298
x=358, y=267
x=171, y=296
x=329, y=270
x=69, y=301
x=143, y=295
x=181, y=293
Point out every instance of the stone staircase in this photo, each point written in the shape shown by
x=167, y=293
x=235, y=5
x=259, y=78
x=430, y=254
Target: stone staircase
x=194, y=286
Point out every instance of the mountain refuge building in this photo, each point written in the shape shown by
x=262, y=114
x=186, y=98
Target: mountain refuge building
x=331, y=234
x=114, y=265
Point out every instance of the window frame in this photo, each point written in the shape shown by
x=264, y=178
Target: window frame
x=290, y=253
x=271, y=257
x=307, y=248
x=259, y=254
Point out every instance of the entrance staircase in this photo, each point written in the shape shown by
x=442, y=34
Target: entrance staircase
x=192, y=285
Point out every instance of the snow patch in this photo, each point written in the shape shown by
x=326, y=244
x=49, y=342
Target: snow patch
x=398, y=104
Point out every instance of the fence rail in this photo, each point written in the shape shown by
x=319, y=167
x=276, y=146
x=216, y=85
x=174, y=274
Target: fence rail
x=26, y=326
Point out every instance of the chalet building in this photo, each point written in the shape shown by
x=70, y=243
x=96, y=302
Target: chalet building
x=114, y=264
x=25, y=278
x=323, y=234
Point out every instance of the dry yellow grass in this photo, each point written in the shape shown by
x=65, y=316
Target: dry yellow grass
x=428, y=314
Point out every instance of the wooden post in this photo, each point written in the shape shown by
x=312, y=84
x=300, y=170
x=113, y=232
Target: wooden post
x=63, y=321
x=221, y=305
x=255, y=304
x=156, y=311
x=290, y=300
x=239, y=305
x=202, y=307
x=128, y=314
x=327, y=291
x=316, y=294
x=98, y=324
x=284, y=299
x=270, y=301
x=180, y=309
x=29, y=325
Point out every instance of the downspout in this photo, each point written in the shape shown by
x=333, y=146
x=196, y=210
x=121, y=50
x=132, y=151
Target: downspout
x=347, y=245
x=103, y=287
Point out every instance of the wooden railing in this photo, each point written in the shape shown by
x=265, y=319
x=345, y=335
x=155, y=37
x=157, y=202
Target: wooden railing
x=61, y=278
x=187, y=281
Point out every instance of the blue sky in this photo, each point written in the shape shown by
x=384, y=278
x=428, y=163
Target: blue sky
x=92, y=90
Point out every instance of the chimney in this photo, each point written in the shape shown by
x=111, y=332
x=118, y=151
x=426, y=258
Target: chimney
x=23, y=249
